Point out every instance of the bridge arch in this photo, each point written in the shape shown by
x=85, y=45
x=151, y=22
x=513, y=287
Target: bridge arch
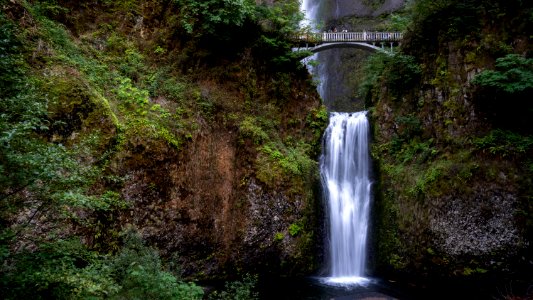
x=357, y=45
x=361, y=40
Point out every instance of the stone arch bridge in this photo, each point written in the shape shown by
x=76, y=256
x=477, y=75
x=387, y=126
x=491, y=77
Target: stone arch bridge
x=370, y=41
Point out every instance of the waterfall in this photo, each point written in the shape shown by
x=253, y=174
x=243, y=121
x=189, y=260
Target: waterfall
x=345, y=169
x=310, y=10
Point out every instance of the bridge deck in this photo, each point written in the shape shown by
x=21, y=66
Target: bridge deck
x=368, y=37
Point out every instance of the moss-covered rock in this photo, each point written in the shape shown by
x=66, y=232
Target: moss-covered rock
x=213, y=151
x=447, y=205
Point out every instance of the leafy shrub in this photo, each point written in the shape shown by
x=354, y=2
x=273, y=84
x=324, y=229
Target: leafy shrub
x=207, y=17
x=131, y=63
x=512, y=80
x=504, y=143
x=238, y=290
x=249, y=128
x=131, y=95
x=399, y=72
x=138, y=270
x=373, y=71
x=513, y=74
x=402, y=73
x=58, y=270
x=282, y=17
x=66, y=269
x=279, y=21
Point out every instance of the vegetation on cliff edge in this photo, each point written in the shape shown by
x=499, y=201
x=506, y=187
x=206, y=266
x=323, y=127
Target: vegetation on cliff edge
x=452, y=126
x=92, y=92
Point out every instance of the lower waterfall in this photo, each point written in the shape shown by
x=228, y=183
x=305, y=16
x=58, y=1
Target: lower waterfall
x=345, y=170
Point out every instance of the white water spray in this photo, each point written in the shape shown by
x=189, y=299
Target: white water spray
x=345, y=169
x=310, y=10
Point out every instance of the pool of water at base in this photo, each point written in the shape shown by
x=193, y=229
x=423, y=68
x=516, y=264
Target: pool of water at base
x=318, y=288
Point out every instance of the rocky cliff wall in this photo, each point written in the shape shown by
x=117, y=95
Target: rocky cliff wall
x=451, y=205
x=210, y=145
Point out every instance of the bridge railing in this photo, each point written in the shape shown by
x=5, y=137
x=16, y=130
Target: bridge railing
x=365, y=36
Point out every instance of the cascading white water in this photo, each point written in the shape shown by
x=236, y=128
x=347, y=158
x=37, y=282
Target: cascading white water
x=345, y=165
x=345, y=169
x=310, y=9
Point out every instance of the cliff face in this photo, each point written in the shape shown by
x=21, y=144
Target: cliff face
x=209, y=144
x=211, y=204
x=453, y=165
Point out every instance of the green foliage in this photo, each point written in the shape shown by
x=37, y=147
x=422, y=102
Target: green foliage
x=279, y=236
x=282, y=17
x=238, y=290
x=174, y=89
x=469, y=271
x=409, y=126
x=131, y=63
x=27, y=162
x=445, y=19
x=374, y=4
x=513, y=74
x=51, y=192
x=504, y=143
x=373, y=71
x=249, y=128
x=402, y=73
x=210, y=17
x=425, y=181
x=279, y=22
x=66, y=269
x=131, y=95
x=416, y=151
x=512, y=80
x=294, y=229
x=49, y=8
x=318, y=119
x=11, y=59
x=55, y=195
x=280, y=161
x=138, y=271
x=399, y=22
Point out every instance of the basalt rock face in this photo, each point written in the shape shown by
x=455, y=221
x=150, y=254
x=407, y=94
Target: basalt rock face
x=205, y=205
x=215, y=154
x=449, y=204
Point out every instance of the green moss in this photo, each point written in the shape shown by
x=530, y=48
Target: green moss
x=294, y=229
x=469, y=272
x=250, y=128
x=277, y=161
